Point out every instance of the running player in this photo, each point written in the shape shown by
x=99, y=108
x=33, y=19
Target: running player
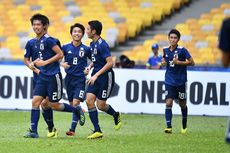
x=101, y=81
x=49, y=80
x=176, y=59
x=75, y=54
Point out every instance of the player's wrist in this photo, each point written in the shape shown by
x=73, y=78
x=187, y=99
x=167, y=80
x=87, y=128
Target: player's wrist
x=31, y=65
x=96, y=74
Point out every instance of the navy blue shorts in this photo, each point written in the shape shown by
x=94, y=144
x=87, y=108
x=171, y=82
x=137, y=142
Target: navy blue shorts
x=176, y=92
x=50, y=86
x=75, y=87
x=103, y=86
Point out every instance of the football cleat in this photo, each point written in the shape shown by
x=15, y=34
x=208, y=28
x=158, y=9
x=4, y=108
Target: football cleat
x=70, y=133
x=52, y=134
x=117, y=121
x=168, y=130
x=81, y=115
x=31, y=134
x=95, y=135
x=183, y=131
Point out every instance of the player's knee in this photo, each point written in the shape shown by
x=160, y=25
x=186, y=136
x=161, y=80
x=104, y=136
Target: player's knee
x=169, y=102
x=182, y=104
x=168, y=105
x=76, y=102
x=90, y=103
x=36, y=103
x=101, y=106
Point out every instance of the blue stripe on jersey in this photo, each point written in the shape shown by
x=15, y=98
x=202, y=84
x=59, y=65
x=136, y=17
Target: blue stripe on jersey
x=76, y=58
x=99, y=52
x=175, y=75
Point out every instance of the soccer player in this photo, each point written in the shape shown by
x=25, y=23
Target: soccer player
x=75, y=54
x=176, y=59
x=31, y=55
x=224, y=45
x=49, y=80
x=154, y=62
x=101, y=81
x=224, y=42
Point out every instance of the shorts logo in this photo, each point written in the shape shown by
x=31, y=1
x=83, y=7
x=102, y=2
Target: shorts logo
x=182, y=95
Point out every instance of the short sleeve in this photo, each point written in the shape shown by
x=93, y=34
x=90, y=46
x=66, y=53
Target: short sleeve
x=28, y=52
x=187, y=54
x=148, y=62
x=163, y=53
x=105, y=50
x=88, y=52
x=51, y=42
x=63, y=48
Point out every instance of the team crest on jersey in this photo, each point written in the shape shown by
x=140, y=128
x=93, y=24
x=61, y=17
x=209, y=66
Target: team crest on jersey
x=176, y=54
x=81, y=52
x=95, y=50
x=41, y=46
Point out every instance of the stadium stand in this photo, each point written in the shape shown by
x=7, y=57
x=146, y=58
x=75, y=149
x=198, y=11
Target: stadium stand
x=122, y=19
x=200, y=36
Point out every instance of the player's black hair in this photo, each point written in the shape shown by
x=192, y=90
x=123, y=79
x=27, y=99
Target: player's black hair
x=79, y=26
x=95, y=25
x=44, y=19
x=174, y=31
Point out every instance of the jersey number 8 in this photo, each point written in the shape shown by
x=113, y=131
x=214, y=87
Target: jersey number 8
x=75, y=61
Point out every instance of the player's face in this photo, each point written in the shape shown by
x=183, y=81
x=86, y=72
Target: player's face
x=173, y=39
x=155, y=51
x=77, y=34
x=89, y=32
x=38, y=27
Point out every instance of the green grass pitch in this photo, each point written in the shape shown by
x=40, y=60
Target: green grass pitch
x=139, y=134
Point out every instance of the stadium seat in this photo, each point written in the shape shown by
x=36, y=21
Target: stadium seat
x=5, y=54
x=121, y=19
x=199, y=36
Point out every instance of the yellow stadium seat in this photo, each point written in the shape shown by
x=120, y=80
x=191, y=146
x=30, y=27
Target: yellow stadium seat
x=160, y=37
x=212, y=38
x=225, y=6
x=123, y=32
x=204, y=21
